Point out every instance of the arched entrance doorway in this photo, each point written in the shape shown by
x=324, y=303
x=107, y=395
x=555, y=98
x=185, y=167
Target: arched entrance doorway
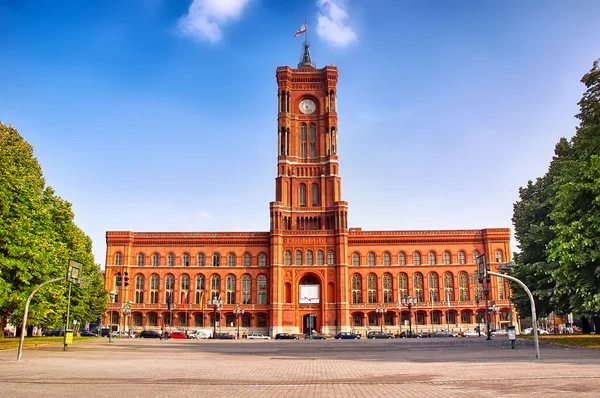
x=309, y=303
x=309, y=323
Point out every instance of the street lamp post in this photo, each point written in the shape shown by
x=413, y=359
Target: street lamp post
x=477, y=300
x=184, y=302
x=381, y=310
x=486, y=291
x=408, y=302
x=112, y=297
x=238, y=312
x=217, y=304
x=494, y=311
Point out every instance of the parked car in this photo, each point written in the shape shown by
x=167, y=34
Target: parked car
x=225, y=336
x=149, y=334
x=379, y=335
x=346, y=336
x=499, y=332
x=87, y=333
x=423, y=335
x=444, y=333
x=119, y=333
x=314, y=336
x=55, y=332
x=530, y=331
x=285, y=336
x=406, y=334
x=177, y=335
x=257, y=336
x=472, y=333
x=199, y=334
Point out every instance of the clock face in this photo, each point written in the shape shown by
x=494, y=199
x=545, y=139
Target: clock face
x=307, y=106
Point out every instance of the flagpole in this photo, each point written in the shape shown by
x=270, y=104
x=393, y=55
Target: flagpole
x=306, y=31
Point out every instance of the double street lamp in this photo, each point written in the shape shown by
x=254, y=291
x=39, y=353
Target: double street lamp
x=237, y=311
x=381, y=310
x=408, y=301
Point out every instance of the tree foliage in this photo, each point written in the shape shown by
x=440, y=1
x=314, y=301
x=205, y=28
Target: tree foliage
x=37, y=238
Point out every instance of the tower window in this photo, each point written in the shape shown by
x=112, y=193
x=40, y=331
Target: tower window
x=302, y=195
x=298, y=257
x=313, y=139
x=330, y=258
x=171, y=260
x=303, y=140
x=262, y=260
x=315, y=195
x=288, y=257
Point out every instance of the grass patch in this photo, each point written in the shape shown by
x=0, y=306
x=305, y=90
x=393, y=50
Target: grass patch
x=570, y=340
x=12, y=343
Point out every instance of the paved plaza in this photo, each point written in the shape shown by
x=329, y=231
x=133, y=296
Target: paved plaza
x=443, y=367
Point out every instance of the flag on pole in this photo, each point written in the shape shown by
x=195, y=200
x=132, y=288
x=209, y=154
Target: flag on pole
x=169, y=302
x=201, y=298
x=301, y=30
x=219, y=298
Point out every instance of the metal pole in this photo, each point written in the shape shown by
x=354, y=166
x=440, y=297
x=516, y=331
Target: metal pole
x=214, y=320
x=24, y=325
x=487, y=314
x=533, y=315
x=67, y=325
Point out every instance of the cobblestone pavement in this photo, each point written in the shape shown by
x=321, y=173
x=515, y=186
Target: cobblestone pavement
x=322, y=368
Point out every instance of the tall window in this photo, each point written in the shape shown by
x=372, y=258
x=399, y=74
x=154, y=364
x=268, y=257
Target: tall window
x=303, y=140
x=215, y=287
x=118, y=258
x=386, y=281
x=477, y=286
x=155, y=259
x=356, y=289
x=315, y=195
x=475, y=256
x=184, y=285
x=313, y=140
x=288, y=257
x=499, y=257
x=386, y=258
x=355, y=259
x=309, y=257
x=154, y=283
x=216, y=259
x=170, y=259
x=330, y=257
x=262, y=260
x=199, y=288
x=418, y=287
x=372, y=288
x=298, y=257
x=140, y=259
x=261, y=283
x=448, y=286
x=401, y=258
x=246, y=289
x=320, y=258
x=431, y=258
x=434, y=292
x=230, y=299
x=462, y=259
x=403, y=285
x=417, y=258
x=185, y=260
x=371, y=258
x=447, y=259
x=201, y=260
x=231, y=259
x=463, y=286
x=139, y=289
x=169, y=284
x=302, y=195
x=501, y=290
x=246, y=260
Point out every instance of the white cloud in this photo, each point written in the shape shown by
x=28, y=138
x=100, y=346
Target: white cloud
x=205, y=18
x=203, y=214
x=331, y=23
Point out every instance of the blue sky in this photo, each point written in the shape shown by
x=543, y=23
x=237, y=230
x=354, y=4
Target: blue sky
x=156, y=115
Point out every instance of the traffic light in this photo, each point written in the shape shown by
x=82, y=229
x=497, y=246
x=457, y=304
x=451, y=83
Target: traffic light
x=118, y=279
x=125, y=279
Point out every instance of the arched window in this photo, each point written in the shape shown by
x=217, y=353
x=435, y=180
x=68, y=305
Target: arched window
x=462, y=259
x=386, y=281
x=309, y=257
x=246, y=260
x=169, y=285
x=477, y=286
x=246, y=289
x=463, y=286
x=118, y=258
x=330, y=257
x=418, y=287
x=448, y=286
x=201, y=260
x=499, y=257
x=216, y=260
x=199, y=288
x=315, y=195
x=356, y=289
x=230, y=297
x=262, y=260
x=401, y=258
x=371, y=258
x=298, y=257
x=447, y=258
x=320, y=257
x=155, y=259
x=215, y=287
x=302, y=197
x=140, y=259
x=184, y=288
x=417, y=258
x=231, y=259
x=261, y=283
x=372, y=288
x=403, y=285
x=355, y=259
x=386, y=258
x=475, y=256
x=139, y=289
x=288, y=257
x=501, y=289
x=170, y=259
x=303, y=140
x=313, y=140
x=154, y=284
x=434, y=292
x=431, y=258
x=185, y=260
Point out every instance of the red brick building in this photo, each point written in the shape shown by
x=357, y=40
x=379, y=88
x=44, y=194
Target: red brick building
x=310, y=271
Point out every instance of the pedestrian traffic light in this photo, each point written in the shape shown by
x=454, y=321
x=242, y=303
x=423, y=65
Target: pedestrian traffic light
x=125, y=279
x=118, y=279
